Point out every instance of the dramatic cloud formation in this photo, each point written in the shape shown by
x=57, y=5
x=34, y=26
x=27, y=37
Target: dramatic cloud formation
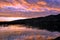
x=29, y=7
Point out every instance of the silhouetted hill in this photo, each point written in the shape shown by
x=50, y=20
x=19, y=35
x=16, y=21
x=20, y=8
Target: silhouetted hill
x=51, y=22
x=58, y=38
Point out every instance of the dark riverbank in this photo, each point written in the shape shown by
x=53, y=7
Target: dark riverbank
x=51, y=23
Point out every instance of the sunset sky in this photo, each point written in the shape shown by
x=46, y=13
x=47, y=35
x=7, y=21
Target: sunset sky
x=29, y=8
x=23, y=9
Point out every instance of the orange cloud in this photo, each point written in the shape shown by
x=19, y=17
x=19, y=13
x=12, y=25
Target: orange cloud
x=39, y=7
x=42, y=3
x=53, y=9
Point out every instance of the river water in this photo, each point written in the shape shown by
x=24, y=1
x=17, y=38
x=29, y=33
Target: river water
x=13, y=32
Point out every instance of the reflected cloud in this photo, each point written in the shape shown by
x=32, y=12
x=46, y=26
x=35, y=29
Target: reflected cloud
x=13, y=32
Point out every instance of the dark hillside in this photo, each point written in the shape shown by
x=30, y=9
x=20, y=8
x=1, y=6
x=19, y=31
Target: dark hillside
x=51, y=22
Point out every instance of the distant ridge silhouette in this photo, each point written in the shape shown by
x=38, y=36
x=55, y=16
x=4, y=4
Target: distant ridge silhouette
x=51, y=23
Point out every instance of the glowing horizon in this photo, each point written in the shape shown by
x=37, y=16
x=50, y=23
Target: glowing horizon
x=10, y=18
